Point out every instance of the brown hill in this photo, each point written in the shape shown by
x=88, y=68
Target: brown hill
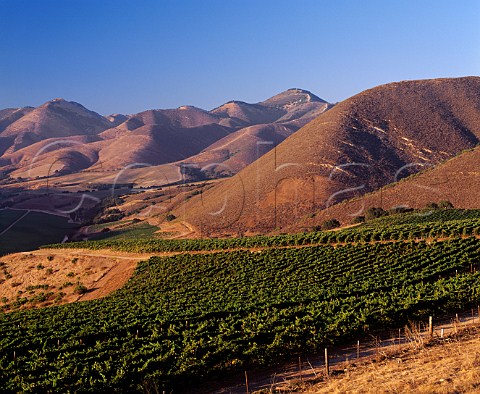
x=241, y=148
x=291, y=99
x=10, y=115
x=276, y=118
x=63, y=137
x=55, y=119
x=150, y=144
x=7, y=117
x=53, y=156
x=457, y=180
x=248, y=114
x=156, y=144
x=361, y=144
x=117, y=119
x=183, y=117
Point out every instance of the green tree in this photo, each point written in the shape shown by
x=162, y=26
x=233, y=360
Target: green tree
x=330, y=224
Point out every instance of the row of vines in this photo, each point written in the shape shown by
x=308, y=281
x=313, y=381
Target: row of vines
x=185, y=318
x=406, y=227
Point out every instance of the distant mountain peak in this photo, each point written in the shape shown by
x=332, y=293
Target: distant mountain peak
x=189, y=107
x=65, y=105
x=292, y=97
x=298, y=90
x=236, y=102
x=61, y=102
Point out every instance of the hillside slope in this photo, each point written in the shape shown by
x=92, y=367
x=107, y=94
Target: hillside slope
x=54, y=119
x=457, y=180
x=63, y=138
x=363, y=143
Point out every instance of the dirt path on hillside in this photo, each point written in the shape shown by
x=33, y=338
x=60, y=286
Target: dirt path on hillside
x=144, y=256
x=14, y=223
x=111, y=280
x=106, y=253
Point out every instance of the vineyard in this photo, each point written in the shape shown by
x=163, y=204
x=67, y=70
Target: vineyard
x=195, y=316
x=418, y=225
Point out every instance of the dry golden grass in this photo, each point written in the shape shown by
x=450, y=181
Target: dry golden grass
x=447, y=366
x=42, y=278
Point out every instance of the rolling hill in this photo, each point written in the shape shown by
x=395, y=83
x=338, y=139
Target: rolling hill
x=62, y=138
x=365, y=142
x=457, y=180
x=55, y=119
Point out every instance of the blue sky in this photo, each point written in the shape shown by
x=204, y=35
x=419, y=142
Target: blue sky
x=128, y=56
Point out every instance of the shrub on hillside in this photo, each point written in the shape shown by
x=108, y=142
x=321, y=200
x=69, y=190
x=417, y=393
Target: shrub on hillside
x=374, y=213
x=330, y=224
x=445, y=204
x=358, y=219
x=80, y=288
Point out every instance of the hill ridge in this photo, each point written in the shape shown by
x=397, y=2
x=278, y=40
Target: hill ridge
x=361, y=144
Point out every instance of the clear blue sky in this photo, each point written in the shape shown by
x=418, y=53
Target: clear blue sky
x=128, y=56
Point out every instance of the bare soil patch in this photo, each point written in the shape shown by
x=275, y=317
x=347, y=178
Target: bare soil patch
x=46, y=277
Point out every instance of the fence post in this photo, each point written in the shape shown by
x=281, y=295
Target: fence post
x=300, y=368
x=327, y=367
x=246, y=382
x=430, y=326
x=358, y=349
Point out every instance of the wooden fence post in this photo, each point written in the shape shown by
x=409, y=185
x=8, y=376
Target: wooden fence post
x=300, y=368
x=358, y=349
x=327, y=367
x=246, y=382
x=430, y=326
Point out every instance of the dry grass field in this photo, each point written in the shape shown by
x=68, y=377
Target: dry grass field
x=449, y=365
x=41, y=278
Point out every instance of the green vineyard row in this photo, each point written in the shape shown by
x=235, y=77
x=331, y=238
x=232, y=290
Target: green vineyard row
x=429, y=224
x=191, y=316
